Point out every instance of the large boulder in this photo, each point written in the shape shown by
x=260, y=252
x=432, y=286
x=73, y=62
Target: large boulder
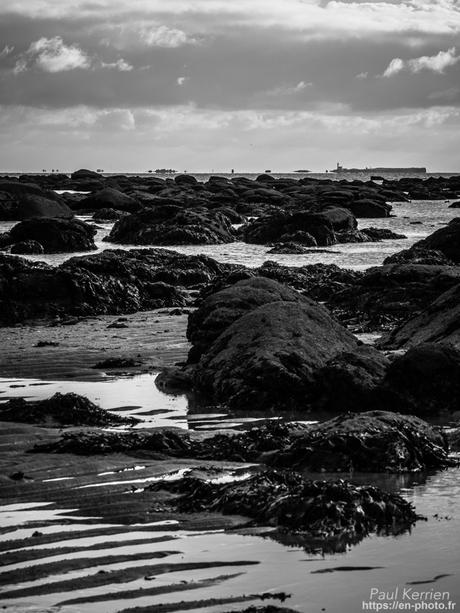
x=425, y=381
x=55, y=235
x=267, y=358
x=171, y=225
x=438, y=322
x=108, y=198
x=27, y=248
x=270, y=228
x=219, y=310
x=370, y=209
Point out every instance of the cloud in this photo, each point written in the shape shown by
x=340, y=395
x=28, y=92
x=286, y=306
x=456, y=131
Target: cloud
x=289, y=90
x=6, y=51
x=52, y=55
x=362, y=75
x=182, y=80
x=121, y=65
x=435, y=63
x=170, y=38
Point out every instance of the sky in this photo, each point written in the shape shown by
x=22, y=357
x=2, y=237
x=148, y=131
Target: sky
x=211, y=85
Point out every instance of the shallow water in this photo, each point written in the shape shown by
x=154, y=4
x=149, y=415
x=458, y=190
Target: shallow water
x=429, y=551
x=416, y=220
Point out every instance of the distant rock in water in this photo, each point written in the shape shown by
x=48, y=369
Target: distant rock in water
x=171, y=225
x=108, y=198
x=267, y=358
x=289, y=248
x=438, y=322
x=55, y=235
x=112, y=282
x=61, y=409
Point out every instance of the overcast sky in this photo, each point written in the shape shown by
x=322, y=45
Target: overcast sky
x=129, y=85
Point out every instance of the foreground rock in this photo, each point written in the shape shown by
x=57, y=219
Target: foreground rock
x=333, y=514
x=61, y=410
x=55, y=235
x=267, y=358
x=438, y=322
x=445, y=241
x=108, y=198
x=171, y=225
x=111, y=282
x=218, y=311
x=425, y=381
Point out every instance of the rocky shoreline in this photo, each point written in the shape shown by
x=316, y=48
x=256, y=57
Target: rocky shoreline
x=266, y=340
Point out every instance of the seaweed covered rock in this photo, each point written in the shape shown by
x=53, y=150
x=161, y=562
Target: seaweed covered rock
x=27, y=248
x=267, y=358
x=348, y=381
x=155, y=444
x=171, y=225
x=376, y=441
x=55, y=235
x=289, y=248
x=424, y=381
x=61, y=409
x=334, y=513
x=112, y=282
x=438, y=322
x=221, y=309
x=419, y=255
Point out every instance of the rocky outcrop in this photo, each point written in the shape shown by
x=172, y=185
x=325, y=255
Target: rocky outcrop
x=112, y=282
x=425, y=381
x=387, y=295
x=289, y=248
x=267, y=358
x=170, y=225
x=26, y=248
x=55, y=235
x=418, y=255
x=219, y=310
x=438, y=322
x=61, y=410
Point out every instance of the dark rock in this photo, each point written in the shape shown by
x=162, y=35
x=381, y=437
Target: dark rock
x=25, y=201
x=46, y=344
x=175, y=380
x=269, y=228
x=334, y=514
x=369, y=208
x=27, y=248
x=219, y=310
x=170, y=225
x=84, y=173
x=55, y=235
x=108, y=198
x=455, y=205
x=438, y=322
x=425, y=381
x=348, y=381
x=300, y=237
x=268, y=357
x=60, y=409
x=380, y=234
x=185, y=180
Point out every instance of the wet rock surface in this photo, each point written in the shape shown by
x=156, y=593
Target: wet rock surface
x=21, y=200
x=61, y=409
